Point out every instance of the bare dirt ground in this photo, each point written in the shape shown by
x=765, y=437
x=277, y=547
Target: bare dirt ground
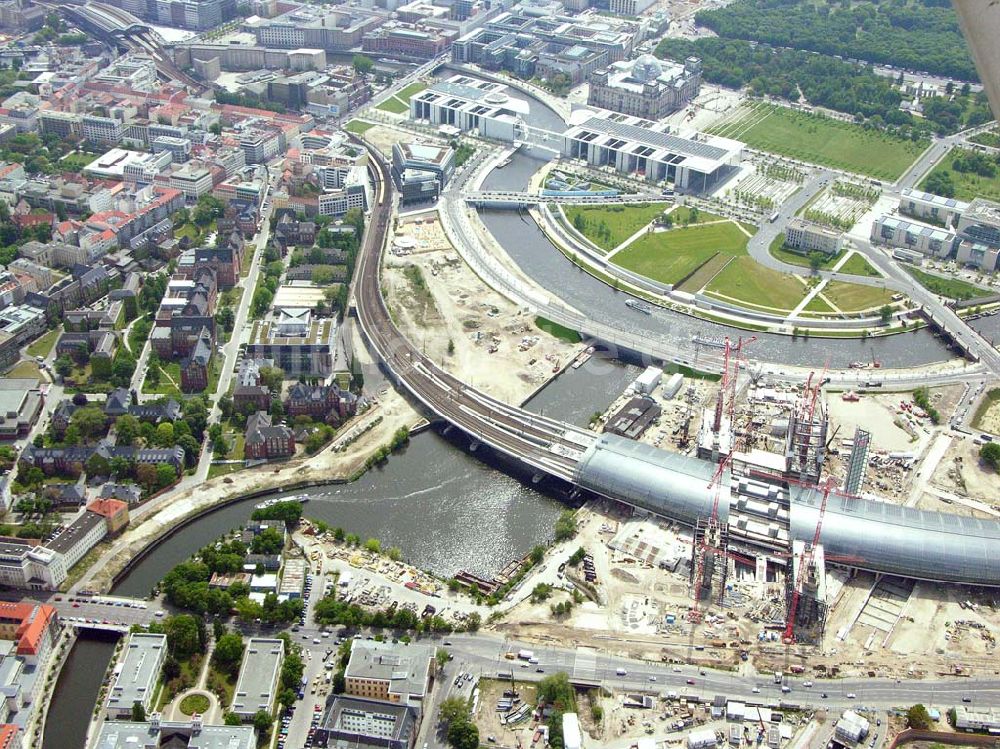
x=962, y=473
x=461, y=323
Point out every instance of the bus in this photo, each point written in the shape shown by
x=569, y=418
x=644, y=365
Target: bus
x=774, y=217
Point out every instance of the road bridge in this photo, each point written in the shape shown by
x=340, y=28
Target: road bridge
x=670, y=485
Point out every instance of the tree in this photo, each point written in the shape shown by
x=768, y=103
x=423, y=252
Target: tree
x=473, y=621
x=441, y=656
x=138, y=712
x=232, y=719
x=816, y=261
x=453, y=709
x=208, y=208
x=990, y=455
x=127, y=429
x=885, y=314
x=918, y=718
x=262, y=721
x=565, y=525
x=268, y=541
x=940, y=183
x=228, y=651
x=215, y=128
x=362, y=64
x=537, y=554
x=226, y=318
x=146, y=474
x=123, y=369
x=183, y=638
x=90, y=422
x=463, y=734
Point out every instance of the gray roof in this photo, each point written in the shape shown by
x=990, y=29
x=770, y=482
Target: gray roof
x=136, y=682
x=405, y=667
x=258, y=675
x=368, y=719
x=76, y=530
x=128, y=735
x=859, y=533
x=672, y=143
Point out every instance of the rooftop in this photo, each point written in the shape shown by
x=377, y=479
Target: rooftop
x=258, y=675
x=135, y=682
x=128, y=735
x=405, y=667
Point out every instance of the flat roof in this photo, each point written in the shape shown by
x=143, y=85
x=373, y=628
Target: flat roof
x=129, y=735
x=76, y=530
x=668, y=142
x=405, y=667
x=373, y=719
x=258, y=675
x=136, y=681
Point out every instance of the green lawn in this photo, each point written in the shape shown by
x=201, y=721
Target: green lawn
x=671, y=256
x=818, y=304
x=44, y=343
x=968, y=185
x=559, y=331
x=853, y=297
x=949, y=287
x=24, y=369
x=746, y=280
x=858, y=265
x=411, y=90
x=168, y=370
x=684, y=216
x=989, y=138
x=609, y=226
x=394, y=105
x=195, y=703
x=777, y=249
x=822, y=140
x=75, y=162
x=358, y=127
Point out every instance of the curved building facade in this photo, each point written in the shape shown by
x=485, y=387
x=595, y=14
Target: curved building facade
x=858, y=533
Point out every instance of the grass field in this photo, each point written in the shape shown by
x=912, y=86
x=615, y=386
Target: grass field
x=669, y=257
x=989, y=399
x=967, y=184
x=822, y=140
x=75, y=162
x=411, y=90
x=818, y=304
x=24, y=369
x=705, y=273
x=748, y=281
x=559, y=331
x=777, y=250
x=684, y=216
x=358, y=127
x=43, y=345
x=394, y=105
x=949, y=287
x=195, y=703
x=609, y=226
x=858, y=265
x=852, y=297
x=989, y=138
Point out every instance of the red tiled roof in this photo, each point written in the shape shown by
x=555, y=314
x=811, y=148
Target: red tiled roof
x=107, y=508
x=8, y=733
x=34, y=621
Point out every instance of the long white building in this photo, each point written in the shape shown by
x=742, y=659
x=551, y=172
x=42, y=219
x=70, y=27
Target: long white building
x=630, y=145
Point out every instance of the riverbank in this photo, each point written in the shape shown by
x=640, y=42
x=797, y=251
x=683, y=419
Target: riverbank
x=328, y=466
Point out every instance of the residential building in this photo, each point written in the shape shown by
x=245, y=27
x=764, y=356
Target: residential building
x=134, y=71
x=257, y=685
x=249, y=392
x=803, y=237
x=934, y=208
x=912, y=235
x=264, y=441
x=310, y=354
x=68, y=460
x=321, y=402
x=355, y=721
x=646, y=87
x=157, y=733
x=978, y=235
x=104, y=131
x=195, y=368
x=391, y=672
x=135, y=682
x=10, y=736
x=114, y=512
x=629, y=7
x=32, y=627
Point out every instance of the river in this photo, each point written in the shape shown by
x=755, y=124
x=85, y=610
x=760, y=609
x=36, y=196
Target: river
x=73, y=699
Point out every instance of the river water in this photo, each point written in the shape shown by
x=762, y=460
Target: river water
x=76, y=691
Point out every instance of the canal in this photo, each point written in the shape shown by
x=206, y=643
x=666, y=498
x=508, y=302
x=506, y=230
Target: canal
x=76, y=691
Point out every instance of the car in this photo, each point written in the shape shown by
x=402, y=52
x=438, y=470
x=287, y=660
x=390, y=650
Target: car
x=966, y=699
x=851, y=695
x=652, y=678
x=690, y=681
x=315, y=641
x=76, y=605
x=807, y=683
x=756, y=690
x=878, y=721
x=539, y=670
x=447, y=642
x=823, y=695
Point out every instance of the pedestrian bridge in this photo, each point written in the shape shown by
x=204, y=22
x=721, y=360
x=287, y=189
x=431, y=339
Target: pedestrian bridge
x=505, y=200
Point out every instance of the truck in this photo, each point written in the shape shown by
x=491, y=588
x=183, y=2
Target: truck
x=778, y=677
x=525, y=655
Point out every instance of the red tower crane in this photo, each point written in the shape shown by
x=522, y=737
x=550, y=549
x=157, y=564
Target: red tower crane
x=805, y=563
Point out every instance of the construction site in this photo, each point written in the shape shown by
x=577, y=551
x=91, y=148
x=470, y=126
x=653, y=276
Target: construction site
x=746, y=533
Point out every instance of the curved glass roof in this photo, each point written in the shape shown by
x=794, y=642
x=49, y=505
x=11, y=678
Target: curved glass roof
x=860, y=533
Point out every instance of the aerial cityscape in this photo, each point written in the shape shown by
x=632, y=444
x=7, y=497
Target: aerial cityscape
x=415, y=374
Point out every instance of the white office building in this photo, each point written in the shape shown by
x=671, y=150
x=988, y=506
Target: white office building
x=930, y=241
x=257, y=684
x=931, y=207
x=136, y=677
